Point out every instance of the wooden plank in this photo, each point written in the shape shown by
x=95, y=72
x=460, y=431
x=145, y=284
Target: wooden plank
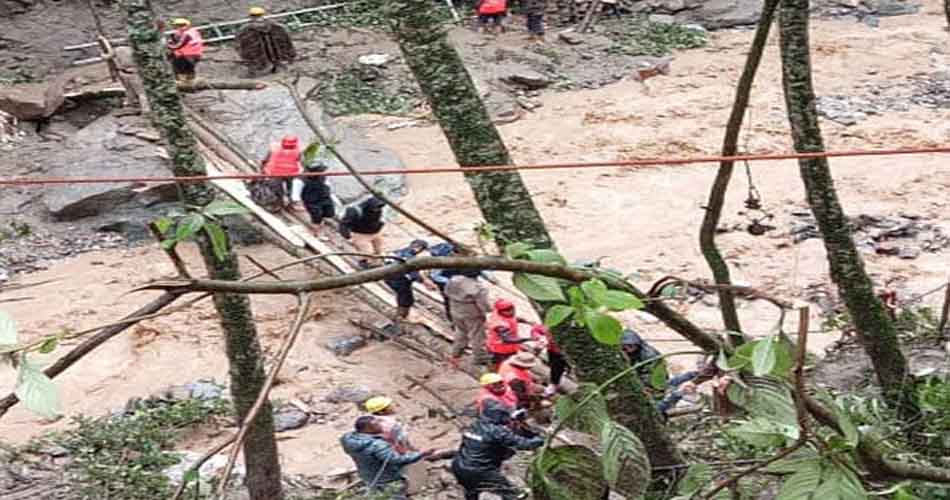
x=236, y=190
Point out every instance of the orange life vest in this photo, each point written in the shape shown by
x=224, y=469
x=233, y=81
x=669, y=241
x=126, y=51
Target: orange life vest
x=510, y=373
x=283, y=161
x=195, y=46
x=509, y=399
x=493, y=341
x=493, y=7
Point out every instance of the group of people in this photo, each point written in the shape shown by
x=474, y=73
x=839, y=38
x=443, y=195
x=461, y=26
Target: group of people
x=262, y=44
x=492, y=14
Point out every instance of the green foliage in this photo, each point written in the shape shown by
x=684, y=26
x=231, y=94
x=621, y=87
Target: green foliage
x=589, y=418
x=770, y=356
x=567, y=473
x=557, y=314
x=637, y=36
x=359, y=90
x=816, y=477
x=605, y=329
x=540, y=288
x=219, y=240
x=124, y=456
x=202, y=219
x=36, y=391
x=626, y=464
x=659, y=375
x=696, y=478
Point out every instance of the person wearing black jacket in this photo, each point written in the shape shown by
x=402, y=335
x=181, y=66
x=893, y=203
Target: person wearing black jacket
x=316, y=196
x=364, y=225
x=485, y=445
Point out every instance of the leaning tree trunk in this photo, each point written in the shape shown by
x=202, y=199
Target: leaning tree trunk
x=730, y=146
x=243, y=346
x=875, y=329
x=506, y=203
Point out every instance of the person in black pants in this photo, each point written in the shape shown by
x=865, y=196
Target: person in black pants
x=485, y=445
x=316, y=196
x=402, y=285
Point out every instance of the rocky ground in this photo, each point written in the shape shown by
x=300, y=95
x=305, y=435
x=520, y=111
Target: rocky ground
x=645, y=220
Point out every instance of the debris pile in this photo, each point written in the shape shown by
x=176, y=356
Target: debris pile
x=905, y=236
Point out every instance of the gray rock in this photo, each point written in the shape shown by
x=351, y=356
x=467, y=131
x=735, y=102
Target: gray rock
x=99, y=149
x=908, y=253
x=256, y=123
x=288, y=419
x=526, y=78
x=672, y=6
x=570, y=37
x=662, y=19
x=348, y=394
x=26, y=101
x=891, y=7
x=344, y=346
x=205, y=390
x=718, y=14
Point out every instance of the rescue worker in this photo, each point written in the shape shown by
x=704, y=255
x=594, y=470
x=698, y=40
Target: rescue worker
x=637, y=351
x=441, y=277
x=284, y=159
x=485, y=445
x=394, y=432
x=502, y=344
x=186, y=48
x=534, y=17
x=402, y=285
x=364, y=224
x=516, y=372
x=377, y=463
x=468, y=301
x=494, y=388
x=494, y=12
x=316, y=196
x=557, y=362
x=264, y=44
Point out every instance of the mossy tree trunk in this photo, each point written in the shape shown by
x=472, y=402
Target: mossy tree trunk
x=730, y=146
x=507, y=206
x=242, y=344
x=875, y=329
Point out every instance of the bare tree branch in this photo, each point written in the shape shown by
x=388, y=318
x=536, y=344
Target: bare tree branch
x=197, y=465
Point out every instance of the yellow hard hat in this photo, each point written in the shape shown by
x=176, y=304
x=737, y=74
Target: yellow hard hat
x=181, y=21
x=256, y=11
x=490, y=378
x=378, y=404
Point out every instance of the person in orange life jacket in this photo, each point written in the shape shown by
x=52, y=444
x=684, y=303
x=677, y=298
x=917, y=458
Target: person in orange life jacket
x=493, y=11
x=543, y=339
x=394, y=432
x=502, y=344
x=284, y=159
x=186, y=48
x=494, y=388
x=516, y=372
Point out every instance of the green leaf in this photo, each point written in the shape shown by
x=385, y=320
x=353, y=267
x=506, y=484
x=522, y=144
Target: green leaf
x=517, y=249
x=36, y=390
x=225, y=207
x=801, y=484
x=765, y=397
x=312, y=153
x=188, y=226
x=49, y=345
x=219, y=241
x=540, y=288
x=763, y=433
x=546, y=256
x=605, y=329
x=567, y=473
x=163, y=224
x=625, y=460
x=595, y=290
x=848, y=428
x=168, y=244
x=576, y=297
x=763, y=356
x=839, y=483
x=697, y=477
x=616, y=300
x=190, y=476
x=803, y=458
x=556, y=315
x=8, y=333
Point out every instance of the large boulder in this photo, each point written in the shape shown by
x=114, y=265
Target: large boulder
x=33, y=101
x=108, y=147
x=718, y=14
x=257, y=119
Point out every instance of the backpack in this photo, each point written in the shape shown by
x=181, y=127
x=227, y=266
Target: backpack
x=268, y=193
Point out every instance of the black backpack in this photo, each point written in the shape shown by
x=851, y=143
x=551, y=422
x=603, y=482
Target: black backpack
x=268, y=193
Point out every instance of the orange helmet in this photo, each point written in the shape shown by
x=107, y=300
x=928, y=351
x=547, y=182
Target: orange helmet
x=289, y=142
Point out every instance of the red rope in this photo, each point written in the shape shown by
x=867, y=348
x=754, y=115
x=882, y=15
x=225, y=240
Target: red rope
x=24, y=181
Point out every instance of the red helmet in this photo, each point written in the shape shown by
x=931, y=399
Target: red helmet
x=504, y=305
x=289, y=142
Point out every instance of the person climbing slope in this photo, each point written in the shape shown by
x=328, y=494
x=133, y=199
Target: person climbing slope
x=186, y=47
